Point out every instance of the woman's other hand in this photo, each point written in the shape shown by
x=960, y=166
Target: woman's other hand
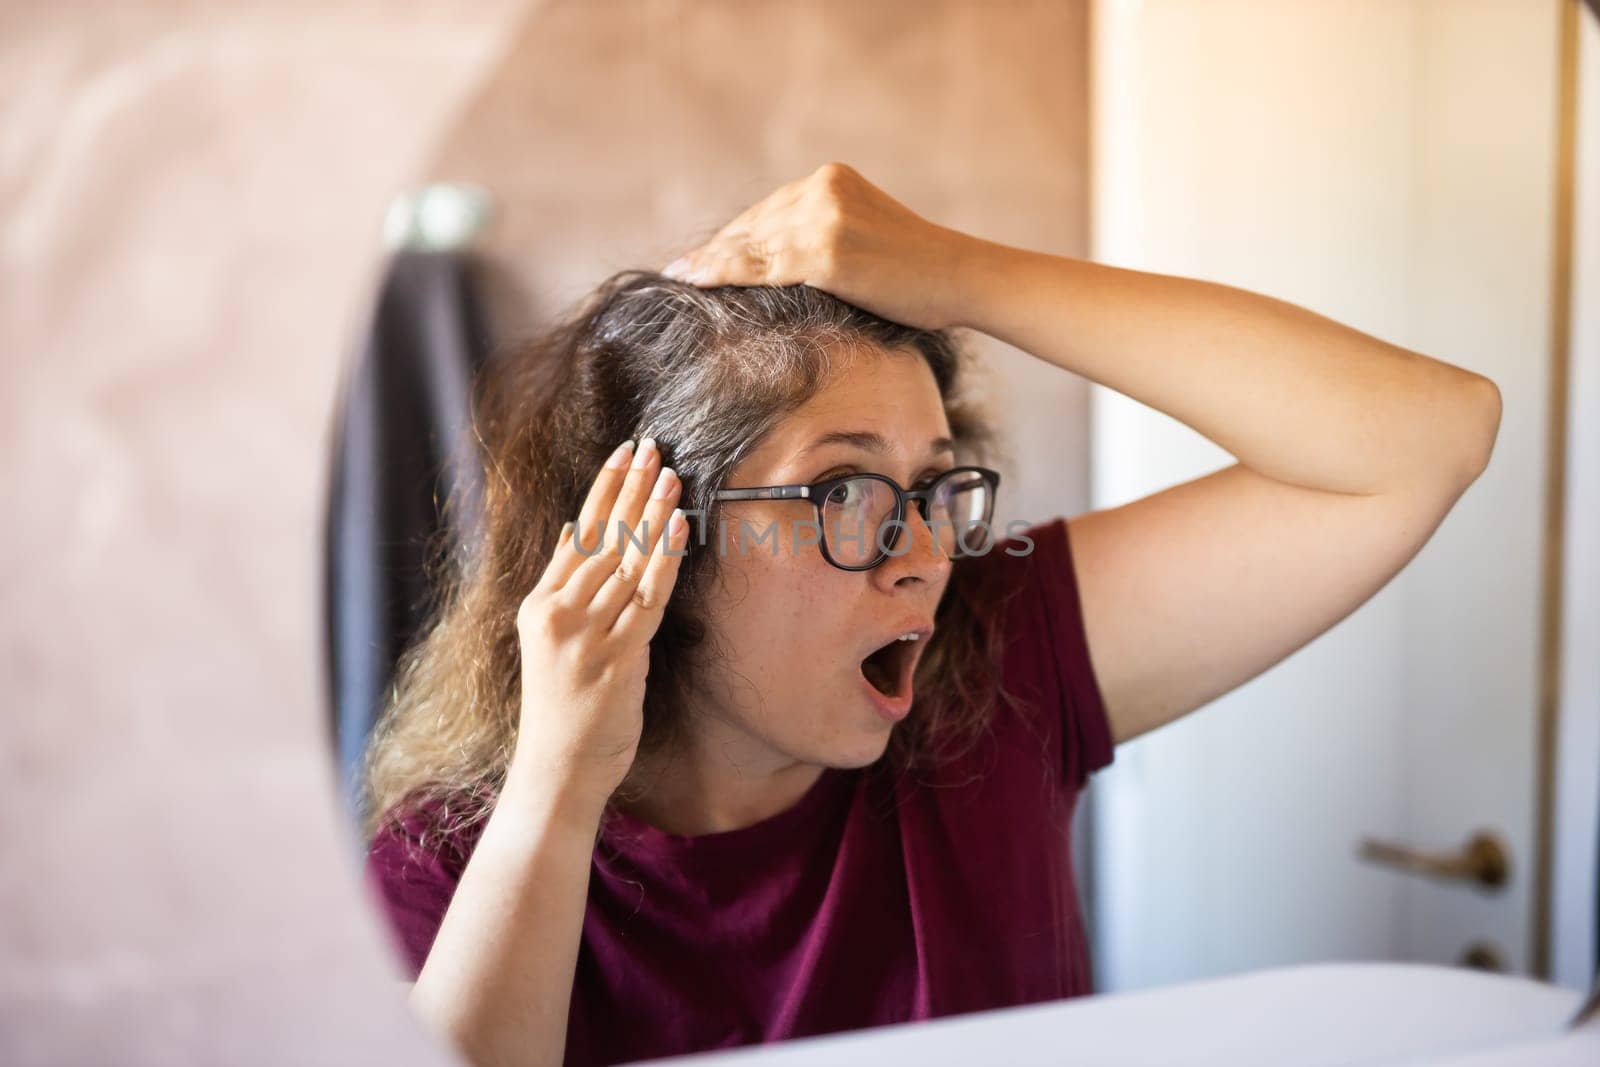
x=838, y=232
x=586, y=626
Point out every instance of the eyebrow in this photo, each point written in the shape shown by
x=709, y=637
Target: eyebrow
x=869, y=441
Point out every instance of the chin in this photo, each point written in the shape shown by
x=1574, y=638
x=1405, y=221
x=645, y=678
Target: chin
x=871, y=748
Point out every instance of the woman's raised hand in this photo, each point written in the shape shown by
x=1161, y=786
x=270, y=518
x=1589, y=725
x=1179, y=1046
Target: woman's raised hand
x=585, y=628
x=837, y=231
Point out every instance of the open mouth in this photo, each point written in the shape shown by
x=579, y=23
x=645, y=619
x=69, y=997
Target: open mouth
x=888, y=668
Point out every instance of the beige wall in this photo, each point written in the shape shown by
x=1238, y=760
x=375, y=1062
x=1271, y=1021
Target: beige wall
x=191, y=211
x=677, y=117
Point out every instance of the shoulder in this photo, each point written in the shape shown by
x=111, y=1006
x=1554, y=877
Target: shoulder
x=428, y=829
x=415, y=860
x=1026, y=588
x=1019, y=572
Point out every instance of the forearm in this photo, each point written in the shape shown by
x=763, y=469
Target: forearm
x=498, y=980
x=1293, y=395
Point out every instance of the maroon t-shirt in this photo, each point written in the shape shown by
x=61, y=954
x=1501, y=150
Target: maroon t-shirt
x=870, y=901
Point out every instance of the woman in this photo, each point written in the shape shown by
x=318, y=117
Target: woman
x=660, y=786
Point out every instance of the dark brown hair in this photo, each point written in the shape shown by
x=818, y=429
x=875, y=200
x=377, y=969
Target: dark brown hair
x=707, y=373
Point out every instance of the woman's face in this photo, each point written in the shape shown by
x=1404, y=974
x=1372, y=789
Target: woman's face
x=795, y=628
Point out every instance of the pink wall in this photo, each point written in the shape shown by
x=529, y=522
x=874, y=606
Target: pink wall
x=191, y=209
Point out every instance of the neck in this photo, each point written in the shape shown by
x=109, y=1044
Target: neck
x=710, y=788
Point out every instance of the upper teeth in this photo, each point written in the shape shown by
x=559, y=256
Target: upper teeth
x=907, y=637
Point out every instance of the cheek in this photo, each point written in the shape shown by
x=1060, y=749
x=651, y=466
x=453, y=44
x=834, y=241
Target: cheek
x=794, y=608
x=788, y=617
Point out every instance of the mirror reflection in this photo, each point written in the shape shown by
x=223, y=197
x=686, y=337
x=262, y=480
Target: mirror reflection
x=851, y=595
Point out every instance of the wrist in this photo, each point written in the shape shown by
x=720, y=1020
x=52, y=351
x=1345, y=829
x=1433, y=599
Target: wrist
x=551, y=794
x=984, y=273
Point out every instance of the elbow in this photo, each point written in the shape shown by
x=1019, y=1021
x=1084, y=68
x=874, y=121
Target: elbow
x=1483, y=427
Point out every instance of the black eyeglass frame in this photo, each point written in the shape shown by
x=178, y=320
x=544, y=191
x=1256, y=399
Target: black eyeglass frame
x=817, y=494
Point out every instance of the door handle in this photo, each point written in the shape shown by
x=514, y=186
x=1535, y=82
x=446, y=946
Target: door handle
x=1483, y=860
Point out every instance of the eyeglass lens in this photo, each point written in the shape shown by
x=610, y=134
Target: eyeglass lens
x=856, y=512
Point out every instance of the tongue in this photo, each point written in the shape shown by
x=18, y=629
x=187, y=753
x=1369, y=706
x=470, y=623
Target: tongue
x=879, y=669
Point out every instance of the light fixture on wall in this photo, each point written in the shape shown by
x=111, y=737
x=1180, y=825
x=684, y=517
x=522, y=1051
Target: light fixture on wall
x=440, y=217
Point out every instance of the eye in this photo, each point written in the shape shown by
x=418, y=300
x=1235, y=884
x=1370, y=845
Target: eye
x=848, y=494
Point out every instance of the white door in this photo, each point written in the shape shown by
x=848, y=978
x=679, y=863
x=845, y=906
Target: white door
x=1390, y=165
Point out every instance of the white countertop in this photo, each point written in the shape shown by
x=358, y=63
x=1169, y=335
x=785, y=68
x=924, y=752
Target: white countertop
x=1319, y=1014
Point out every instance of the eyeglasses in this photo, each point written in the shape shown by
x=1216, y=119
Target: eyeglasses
x=853, y=511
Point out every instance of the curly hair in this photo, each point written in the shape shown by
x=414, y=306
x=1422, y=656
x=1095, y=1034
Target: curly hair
x=707, y=373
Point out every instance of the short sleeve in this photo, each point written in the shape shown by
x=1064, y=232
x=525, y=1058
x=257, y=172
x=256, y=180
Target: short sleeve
x=1033, y=575
x=413, y=884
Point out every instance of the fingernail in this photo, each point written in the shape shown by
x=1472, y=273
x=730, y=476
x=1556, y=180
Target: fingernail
x=566, y=529
x=676, y=524
x=619, y=458
x=647, y=448
x=664, y=482
x=676, y=267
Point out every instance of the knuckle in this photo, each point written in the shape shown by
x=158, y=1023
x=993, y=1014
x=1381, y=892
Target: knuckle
x=559, y=618
x=585, y=633
x=539, y=627
x=532, y=609
x=588, y=668
x=615, y=671
x=833, y=174
x=644, y=598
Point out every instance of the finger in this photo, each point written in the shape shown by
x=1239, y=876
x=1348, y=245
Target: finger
x=755, y=262
x=603, y=495
x=682, y=268
x=787, y=265
x=626, y=531
x=641, y=615
x=569, y=553
x=622, y=583
x=773, y=204
x=760, y=215
x=619, y=525
x=690, y=267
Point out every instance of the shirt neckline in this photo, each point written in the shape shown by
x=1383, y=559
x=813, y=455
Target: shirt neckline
x=623, y=831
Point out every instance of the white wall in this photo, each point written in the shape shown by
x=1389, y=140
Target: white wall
x=1388, y=165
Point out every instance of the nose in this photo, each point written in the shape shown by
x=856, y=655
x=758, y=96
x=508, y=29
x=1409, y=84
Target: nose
x=916, y=553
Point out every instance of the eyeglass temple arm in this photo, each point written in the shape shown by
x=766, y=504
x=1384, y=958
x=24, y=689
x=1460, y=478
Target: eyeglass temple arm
x=770, y=492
